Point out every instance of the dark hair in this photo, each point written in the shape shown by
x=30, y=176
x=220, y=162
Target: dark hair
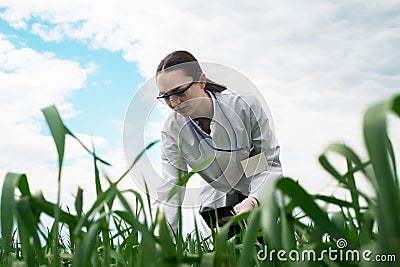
x=176, y=60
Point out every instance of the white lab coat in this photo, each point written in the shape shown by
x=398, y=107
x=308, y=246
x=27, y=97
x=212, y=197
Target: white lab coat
x=238, y=122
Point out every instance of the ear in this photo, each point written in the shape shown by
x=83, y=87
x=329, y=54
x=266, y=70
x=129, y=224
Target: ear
x=202, y=81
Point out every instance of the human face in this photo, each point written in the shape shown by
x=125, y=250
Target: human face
x=171, y=94
x=182, y=93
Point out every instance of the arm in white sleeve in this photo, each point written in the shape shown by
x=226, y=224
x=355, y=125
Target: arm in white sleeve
x=171, y=164
x=264, y=141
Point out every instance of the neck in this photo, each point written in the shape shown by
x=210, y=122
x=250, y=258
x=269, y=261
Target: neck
x=206, y=110
x=204, y=124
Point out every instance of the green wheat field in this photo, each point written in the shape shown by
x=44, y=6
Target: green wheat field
x=298, y=230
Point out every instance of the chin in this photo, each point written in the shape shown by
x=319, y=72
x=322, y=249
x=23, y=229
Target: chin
x=185, y=114
x=186, y=111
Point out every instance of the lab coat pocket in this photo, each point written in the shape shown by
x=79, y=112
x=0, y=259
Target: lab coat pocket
x=198, y=154
x=255, y=164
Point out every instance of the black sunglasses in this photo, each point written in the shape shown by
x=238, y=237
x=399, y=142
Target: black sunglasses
x=177, y=92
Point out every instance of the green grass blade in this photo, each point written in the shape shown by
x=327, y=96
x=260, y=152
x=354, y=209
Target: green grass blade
x=366, y=233
x=179, y=235
x=185, y=179
x=167, y=246
x=92, y=153
x=148, y=239
x=333, y=200
x=354, y=164
x=393, y=163
x=343, y=178
x=269, y=215
x=221, y=247
x=28, y=254
x=99, y=190
x=128, y=216
x=395, y=105
x=87, y=247
x=339, y=219
x=29, y=223
x=133, y=221
x=354, y=195
x=40, y=203
x=79, y=201
x=395, y=108
x=96, y=206
x=376, y=140
x=249, y=249
x=136, y=160
x=307, y=204
x=7, y=206
x=57, y=129
x=149, y=202
x=139, y=207
x=287, y=232
x=349, y=154
x=199, y=242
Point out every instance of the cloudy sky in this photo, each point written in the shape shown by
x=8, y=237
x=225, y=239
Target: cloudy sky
x=319, y=64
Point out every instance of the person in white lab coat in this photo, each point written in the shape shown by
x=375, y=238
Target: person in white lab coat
x=211, y=123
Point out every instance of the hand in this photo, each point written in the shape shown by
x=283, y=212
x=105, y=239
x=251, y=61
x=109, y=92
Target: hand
x=246, y=205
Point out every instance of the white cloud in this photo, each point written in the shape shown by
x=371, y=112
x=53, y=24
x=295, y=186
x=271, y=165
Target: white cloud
x=318, y=63
x=47, y=34
x=31, y=80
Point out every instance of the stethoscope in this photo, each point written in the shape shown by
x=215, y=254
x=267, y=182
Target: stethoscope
x=196, y=128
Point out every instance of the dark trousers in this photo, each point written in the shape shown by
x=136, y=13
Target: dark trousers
x=213, y=217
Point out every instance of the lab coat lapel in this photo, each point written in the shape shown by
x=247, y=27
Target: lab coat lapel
x=223, y=136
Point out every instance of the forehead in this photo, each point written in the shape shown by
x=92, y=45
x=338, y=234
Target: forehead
x=168, y=80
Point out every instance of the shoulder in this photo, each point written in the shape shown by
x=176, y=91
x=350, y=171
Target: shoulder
x=173, y=123
x=242, y=100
